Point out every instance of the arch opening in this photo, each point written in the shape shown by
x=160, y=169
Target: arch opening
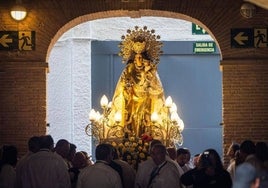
x=77, y=128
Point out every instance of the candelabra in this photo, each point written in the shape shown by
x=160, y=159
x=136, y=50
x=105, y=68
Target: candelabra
x=166, y=126
x=101, y=127
x=169, y=126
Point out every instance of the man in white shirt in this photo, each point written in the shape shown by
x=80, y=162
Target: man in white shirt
x=100, y=175
x=165, y=174
x=44, y=169
x=145, y=169
x=33, y=147
x=147, y=166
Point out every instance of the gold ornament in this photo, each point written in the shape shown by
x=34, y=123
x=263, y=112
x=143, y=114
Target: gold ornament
x=139, y=41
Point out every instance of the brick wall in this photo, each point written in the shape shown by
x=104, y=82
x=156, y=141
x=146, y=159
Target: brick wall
x=23, y=102
x=245, y=101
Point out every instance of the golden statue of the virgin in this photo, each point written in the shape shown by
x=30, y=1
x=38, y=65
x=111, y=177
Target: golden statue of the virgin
x=138, y=105
x=139, y=91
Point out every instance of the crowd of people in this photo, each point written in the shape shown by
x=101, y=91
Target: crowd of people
x=62, y=166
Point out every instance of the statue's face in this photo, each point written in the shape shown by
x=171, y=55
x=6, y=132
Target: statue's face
x=138, y=60
x=139, y=47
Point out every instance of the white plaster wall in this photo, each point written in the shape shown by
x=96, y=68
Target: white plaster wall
x=112, y=29
x=69, y=89
x=60, y=91
x=69, y=92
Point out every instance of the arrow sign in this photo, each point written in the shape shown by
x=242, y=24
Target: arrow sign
x=240, y=38
x=8, y=40
x=4, y=40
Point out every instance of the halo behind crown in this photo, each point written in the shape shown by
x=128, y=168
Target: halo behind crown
x=152, y=46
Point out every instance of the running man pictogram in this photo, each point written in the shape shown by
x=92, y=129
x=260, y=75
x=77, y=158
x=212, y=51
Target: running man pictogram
x=261, y=38
x=26, y=42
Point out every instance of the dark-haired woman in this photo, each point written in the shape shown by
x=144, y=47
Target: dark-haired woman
x=209, y=172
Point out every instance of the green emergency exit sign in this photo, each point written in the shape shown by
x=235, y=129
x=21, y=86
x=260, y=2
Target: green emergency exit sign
x=197, y=30
x=204, y=47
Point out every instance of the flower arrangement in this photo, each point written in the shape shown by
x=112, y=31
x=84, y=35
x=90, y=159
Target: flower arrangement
x=133, y=150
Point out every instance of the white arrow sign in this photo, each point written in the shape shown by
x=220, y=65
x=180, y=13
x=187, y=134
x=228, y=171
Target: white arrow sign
x=4, y=40
x=239, y=38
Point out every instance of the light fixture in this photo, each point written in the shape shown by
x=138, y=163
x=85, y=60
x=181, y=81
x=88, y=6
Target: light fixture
x=18, y=12
x=166, y=127
x=247, y=10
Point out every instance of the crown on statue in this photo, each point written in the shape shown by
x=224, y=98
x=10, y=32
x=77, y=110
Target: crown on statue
x=148, y=43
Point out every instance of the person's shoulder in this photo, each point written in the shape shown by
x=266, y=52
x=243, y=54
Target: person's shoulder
x=48, y=156
x=87, y=168
x=147, y=163
x=104, y=170
x=87, y=171
x=39, y=154
x=24, y=159
x=171, y=165
x=122, y=163
x=102, y=167
x=193, y=171
x=171, y=162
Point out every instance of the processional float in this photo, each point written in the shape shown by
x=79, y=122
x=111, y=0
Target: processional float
x=139, y=111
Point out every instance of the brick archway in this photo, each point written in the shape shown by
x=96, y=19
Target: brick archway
x=123, y=13
x=105, y=28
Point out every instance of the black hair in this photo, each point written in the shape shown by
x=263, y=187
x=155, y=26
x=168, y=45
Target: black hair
x=46, y=142
x=103, y=151
x=248, y=147
x=34, y=144
x=210, y=157
x=181, y=151
x=162, y=149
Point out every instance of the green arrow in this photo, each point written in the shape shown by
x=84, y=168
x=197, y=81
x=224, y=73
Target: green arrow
x=4, y=40
x=239, y=38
